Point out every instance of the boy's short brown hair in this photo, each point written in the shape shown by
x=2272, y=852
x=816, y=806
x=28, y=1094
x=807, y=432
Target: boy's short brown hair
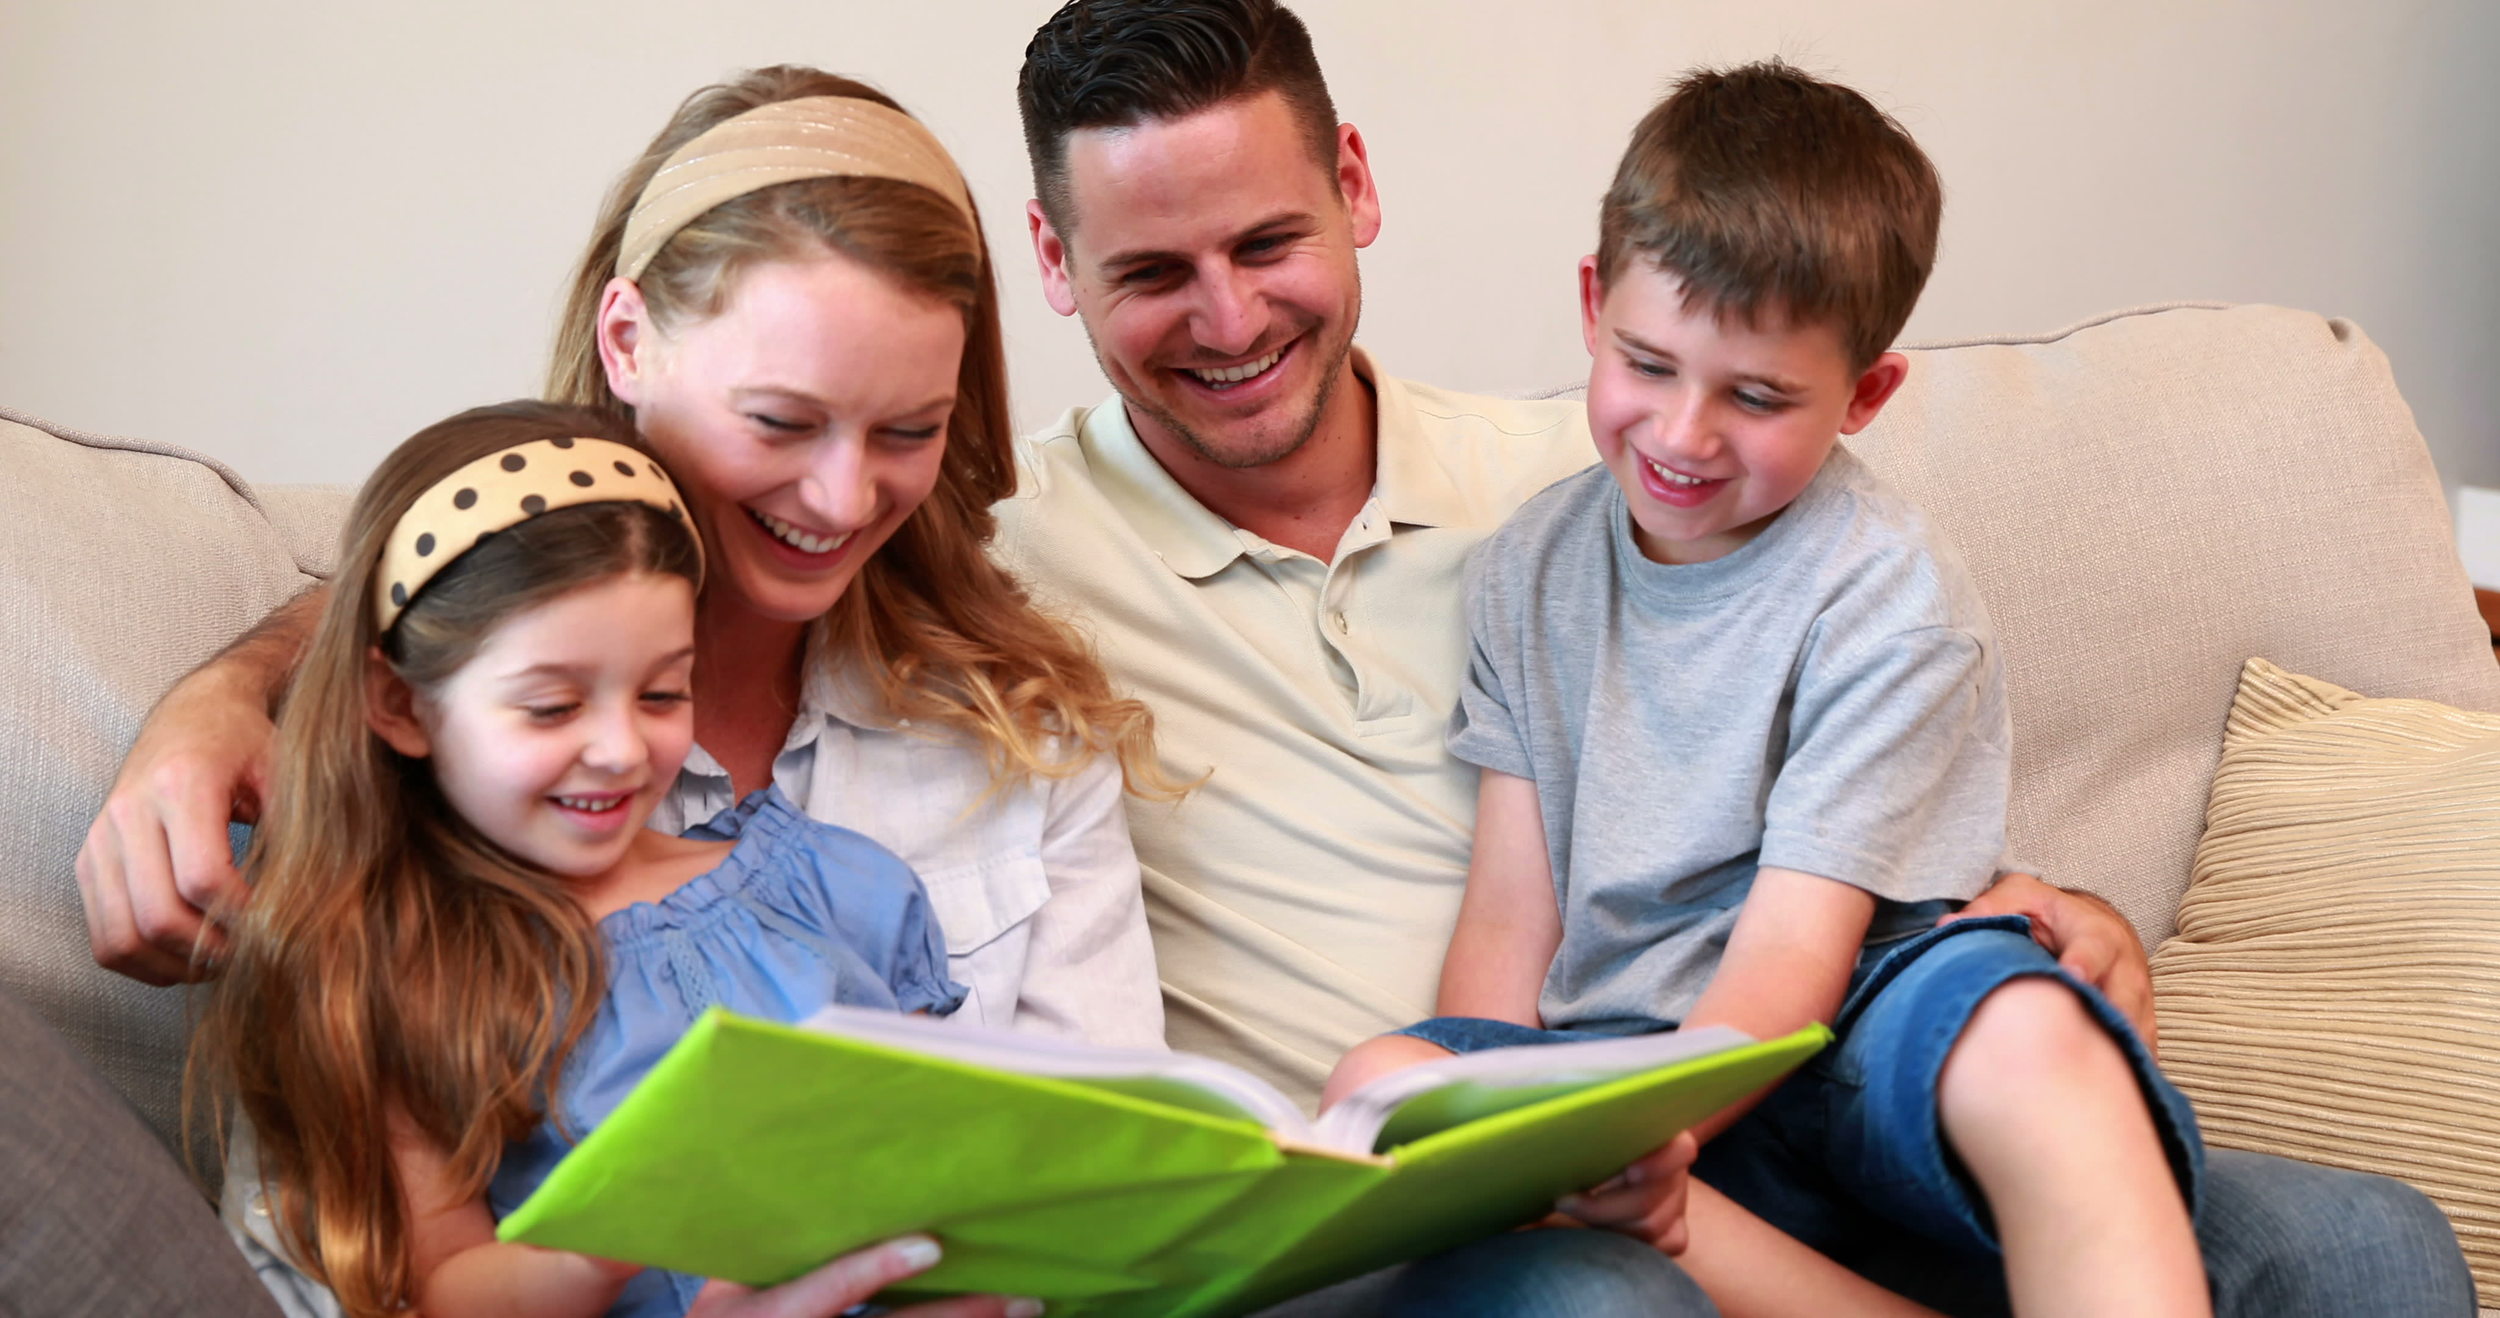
x=1769, y=192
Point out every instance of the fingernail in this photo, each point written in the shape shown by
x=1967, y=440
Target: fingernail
x=1024, y=1307
x=917, y=1252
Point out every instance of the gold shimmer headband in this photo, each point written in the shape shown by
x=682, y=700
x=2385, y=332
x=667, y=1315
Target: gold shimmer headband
x=784, y=142
x=504, y=489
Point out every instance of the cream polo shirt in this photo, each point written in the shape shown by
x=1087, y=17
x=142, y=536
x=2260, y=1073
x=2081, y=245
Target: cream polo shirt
x=1302, y=898
x=1035, y=887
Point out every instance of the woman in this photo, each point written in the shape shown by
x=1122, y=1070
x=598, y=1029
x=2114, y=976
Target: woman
x=818, y=359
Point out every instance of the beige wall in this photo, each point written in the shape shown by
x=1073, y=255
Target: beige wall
x=290, y=232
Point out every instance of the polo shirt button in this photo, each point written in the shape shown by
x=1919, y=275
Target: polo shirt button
x=1344, y=628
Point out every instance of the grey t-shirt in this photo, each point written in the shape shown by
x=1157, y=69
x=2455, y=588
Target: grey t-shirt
x=1827, y=699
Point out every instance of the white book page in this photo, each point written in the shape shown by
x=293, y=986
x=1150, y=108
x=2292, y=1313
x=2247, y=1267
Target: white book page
x=1196, y=1084
x=1501, y=1079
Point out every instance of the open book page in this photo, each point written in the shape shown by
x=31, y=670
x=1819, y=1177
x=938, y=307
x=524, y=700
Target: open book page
x=1404, y=1106
x=1181, y=1080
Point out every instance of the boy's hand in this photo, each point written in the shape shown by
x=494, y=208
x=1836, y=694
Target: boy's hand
x=2087, y=936
x=1646, y=1201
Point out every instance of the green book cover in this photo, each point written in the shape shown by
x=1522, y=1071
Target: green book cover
x=756, y=1151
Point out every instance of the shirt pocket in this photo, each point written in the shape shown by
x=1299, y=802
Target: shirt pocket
x=985, y=911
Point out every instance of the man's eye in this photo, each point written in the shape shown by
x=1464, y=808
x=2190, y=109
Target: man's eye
x=1140, y=276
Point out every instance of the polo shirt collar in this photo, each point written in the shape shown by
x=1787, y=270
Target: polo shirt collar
x=1409, y=482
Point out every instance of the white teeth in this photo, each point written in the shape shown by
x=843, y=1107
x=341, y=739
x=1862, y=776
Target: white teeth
x=591, y=805
x=1674, y=477
x=791, y=535
x=1237, y=374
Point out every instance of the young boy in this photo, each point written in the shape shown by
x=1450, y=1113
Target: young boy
x=1743, y=733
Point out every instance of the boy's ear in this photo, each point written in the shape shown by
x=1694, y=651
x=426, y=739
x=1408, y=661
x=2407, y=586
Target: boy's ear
x=1592, y=296
x=391, y=708
x=1874, y=388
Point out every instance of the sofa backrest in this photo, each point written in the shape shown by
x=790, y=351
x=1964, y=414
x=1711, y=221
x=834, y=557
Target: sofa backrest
x=122, y=564
x=2148, y=499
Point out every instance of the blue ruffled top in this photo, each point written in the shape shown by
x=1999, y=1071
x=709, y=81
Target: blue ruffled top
x=798, y=915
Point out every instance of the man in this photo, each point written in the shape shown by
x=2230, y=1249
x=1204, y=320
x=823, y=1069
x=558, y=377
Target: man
x=1266, y=532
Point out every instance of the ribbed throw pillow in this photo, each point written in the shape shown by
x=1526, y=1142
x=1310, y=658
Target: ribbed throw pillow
x=2333, y=993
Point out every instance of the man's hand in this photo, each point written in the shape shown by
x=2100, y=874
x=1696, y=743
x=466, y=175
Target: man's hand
x=1646, y=1201
x=157, y=858
x=2087, y=936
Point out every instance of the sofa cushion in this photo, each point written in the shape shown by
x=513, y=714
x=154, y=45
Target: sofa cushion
x=127, y=564
x=2333, y=993
x=2149, y=498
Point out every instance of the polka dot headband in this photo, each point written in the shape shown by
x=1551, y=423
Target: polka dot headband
x=784, y=142
x=504, y=489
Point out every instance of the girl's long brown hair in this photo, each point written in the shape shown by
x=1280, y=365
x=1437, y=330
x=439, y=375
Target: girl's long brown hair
x=392, y=971
x=943, y=634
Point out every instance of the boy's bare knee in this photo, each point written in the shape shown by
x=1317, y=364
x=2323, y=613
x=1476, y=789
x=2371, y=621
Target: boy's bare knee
x=1373, y=1058
x=2029, y=1038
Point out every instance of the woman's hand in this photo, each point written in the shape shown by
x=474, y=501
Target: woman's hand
x=849, y=1281
x=2087, y=936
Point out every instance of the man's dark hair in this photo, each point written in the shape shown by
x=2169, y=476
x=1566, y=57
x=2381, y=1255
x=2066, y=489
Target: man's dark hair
x=1768, y=191
x=1118, y=63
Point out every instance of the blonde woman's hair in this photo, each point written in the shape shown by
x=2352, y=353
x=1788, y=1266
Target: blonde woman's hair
x=942, y=633
x=393, y=971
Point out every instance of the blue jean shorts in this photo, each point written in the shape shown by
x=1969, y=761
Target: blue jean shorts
x=1855, y=1131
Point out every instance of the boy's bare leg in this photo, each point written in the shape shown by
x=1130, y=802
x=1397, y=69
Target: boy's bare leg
x=1752, y=1269
x=2045, y=1111
x=1373, y=1058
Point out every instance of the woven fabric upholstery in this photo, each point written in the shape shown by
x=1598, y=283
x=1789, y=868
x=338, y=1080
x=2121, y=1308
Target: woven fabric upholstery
x=126, y=564
x=2147, y=500
x=2333, y=993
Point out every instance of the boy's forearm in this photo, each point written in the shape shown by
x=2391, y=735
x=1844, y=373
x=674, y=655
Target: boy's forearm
x=1787, y=964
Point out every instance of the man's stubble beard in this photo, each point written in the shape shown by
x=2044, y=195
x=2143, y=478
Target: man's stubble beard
x=1296, y=434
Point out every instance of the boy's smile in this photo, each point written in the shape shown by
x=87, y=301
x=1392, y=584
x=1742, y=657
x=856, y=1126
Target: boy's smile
x=1712, y=428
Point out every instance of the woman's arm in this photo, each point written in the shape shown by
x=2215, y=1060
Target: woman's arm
x=1089, y=970
x=1509, y=924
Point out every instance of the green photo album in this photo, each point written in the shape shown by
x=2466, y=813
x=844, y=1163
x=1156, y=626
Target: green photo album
x=1110, y=1182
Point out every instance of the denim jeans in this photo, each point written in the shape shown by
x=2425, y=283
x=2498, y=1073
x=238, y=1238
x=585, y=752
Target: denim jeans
x=1550, y=1273
x=2279, y=1237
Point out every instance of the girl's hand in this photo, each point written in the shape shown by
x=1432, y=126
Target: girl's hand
x=850, y=1280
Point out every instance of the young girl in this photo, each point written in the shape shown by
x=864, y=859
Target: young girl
x=462, y=947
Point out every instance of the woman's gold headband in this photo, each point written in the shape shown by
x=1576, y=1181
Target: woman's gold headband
x=784, y=142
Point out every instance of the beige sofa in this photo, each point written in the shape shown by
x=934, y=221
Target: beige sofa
x=2147, y=499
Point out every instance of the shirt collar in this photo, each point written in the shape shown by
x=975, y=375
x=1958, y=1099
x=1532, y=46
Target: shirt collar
x=826, y=691
x=1408, y=480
